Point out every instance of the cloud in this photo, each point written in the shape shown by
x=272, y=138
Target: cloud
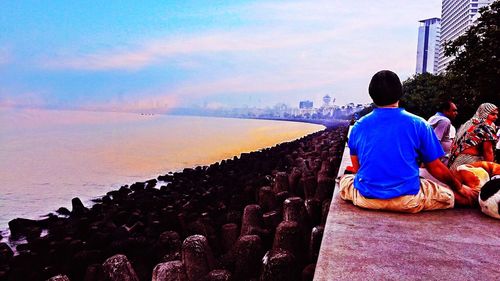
x=277, y=26
x=388, y=12
x=343, y=69
x=278, y=50
x=30, y=99
x=156, y=51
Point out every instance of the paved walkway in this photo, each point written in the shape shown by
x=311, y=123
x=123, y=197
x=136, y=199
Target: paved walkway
x=358, y=244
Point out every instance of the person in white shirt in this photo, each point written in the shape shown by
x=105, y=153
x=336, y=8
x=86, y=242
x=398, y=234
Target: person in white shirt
x=441, y=123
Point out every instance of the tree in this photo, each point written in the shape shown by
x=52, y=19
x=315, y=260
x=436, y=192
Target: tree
x=423, y=92
x=472, y=78
x=474, y=74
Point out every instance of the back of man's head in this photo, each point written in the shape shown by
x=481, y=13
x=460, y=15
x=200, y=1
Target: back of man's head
x=444, y=105
x=385, y=88
x=448, y=108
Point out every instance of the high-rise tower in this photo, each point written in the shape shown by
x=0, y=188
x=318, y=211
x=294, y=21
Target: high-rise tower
x=456, y=17
x=429, y=34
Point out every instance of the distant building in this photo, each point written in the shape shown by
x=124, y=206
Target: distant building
x=457, y=16
x=429, y=34
x=281, y=110
x=306, y=109
x=306, y=104
x=327, y=99
x=328, y=107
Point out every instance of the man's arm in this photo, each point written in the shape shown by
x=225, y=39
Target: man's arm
x=463, y=194
x=355, y=163
x=438, y=170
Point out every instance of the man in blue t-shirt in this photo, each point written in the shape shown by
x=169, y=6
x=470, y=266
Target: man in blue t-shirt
x=386, y=148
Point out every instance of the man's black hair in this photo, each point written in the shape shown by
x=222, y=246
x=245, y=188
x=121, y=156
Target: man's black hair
x=385, y=88
x=444, y=105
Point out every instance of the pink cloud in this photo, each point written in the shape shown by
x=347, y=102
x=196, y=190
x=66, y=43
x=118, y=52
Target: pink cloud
x=22, y=99
x=157, y=51
x=334, y=22
x=302, y=46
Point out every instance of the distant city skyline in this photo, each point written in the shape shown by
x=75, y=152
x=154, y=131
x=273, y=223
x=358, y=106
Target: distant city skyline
x=129, y=55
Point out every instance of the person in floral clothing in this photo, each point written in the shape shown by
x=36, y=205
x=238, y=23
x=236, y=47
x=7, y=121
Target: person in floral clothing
x=476, y=138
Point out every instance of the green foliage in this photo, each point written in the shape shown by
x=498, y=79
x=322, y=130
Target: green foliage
x=474, y=74
x=423, y=92
x=472, y=78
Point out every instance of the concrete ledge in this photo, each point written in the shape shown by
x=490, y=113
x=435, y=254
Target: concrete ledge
x=359, y=244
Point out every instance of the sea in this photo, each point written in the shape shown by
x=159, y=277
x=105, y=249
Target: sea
x=48, y=157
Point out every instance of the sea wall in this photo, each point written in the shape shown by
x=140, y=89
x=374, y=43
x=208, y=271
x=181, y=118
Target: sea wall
x=257, y=217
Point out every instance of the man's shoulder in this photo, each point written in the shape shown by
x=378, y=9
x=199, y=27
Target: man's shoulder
x=414, y=122
x=439, y=119
x=410, y=115
x=402, y=116
x=413, y=119
x=364, y=120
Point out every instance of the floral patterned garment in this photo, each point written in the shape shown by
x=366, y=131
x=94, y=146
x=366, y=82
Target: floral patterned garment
x=474, y=132
x=473, y=137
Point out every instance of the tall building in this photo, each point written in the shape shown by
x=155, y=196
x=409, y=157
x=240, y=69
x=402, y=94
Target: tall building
x=429, y=34
x=456, y=17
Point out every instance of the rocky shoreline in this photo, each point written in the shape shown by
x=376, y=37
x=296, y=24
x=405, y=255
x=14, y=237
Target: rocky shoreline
x=256, y=217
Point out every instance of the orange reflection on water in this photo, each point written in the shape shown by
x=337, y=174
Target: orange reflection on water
x=49, y=157
x=192, y=141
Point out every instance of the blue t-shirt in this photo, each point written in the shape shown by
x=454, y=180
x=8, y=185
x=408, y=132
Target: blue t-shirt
x=389, y=143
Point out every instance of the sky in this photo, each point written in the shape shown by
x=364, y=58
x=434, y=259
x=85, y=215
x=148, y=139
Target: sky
x=157, y=55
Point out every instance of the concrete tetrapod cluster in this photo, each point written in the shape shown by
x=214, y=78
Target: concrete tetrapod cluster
x=256, y=217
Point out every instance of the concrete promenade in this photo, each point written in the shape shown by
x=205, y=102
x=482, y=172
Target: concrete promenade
x=359, y=244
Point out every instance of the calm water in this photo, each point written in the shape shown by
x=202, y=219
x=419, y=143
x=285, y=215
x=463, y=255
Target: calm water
x=49, y=157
